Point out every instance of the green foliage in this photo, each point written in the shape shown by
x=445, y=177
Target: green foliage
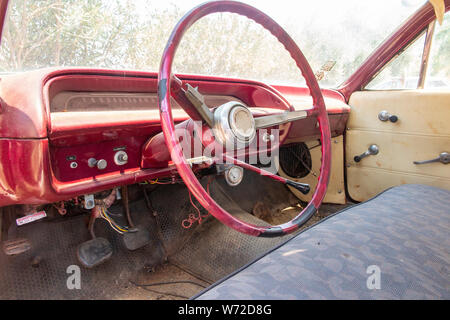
x=62, y=33
x=440, y=55
x=127, y=34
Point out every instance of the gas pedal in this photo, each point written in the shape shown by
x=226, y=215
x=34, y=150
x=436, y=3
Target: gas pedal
x=94, y=252
x=136, y=238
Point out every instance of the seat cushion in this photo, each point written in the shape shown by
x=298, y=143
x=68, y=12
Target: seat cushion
x=394, y=246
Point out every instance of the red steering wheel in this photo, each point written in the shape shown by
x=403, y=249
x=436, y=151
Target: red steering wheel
x=168, y=85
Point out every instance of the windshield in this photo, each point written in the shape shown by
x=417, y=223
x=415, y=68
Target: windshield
x=131, y=34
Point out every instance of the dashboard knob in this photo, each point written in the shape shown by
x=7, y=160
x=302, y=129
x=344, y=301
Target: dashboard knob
x=120, y=158
x=100, y=164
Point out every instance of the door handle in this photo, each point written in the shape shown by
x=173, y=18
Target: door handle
x=373, y=150
x=444, y=158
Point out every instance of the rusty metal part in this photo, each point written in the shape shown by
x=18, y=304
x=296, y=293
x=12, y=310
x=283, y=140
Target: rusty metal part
x=95, y=213
x=109, y=200
x=60, y=207
x=26, y=209
x=126, y=206
x=154, y=215
x=16, y=246
x=36, y=261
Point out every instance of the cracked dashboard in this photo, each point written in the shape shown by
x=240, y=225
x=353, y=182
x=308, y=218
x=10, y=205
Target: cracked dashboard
x=79, y=131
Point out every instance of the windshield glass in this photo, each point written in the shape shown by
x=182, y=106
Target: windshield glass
x=131, y=34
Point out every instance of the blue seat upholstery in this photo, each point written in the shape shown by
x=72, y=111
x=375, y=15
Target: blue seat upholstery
x=394, y=246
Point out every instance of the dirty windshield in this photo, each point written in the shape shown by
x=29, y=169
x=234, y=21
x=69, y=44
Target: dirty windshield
x=131, y=34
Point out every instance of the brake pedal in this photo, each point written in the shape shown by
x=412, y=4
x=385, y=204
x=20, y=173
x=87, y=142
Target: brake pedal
x=137, y=238
x=94, y=252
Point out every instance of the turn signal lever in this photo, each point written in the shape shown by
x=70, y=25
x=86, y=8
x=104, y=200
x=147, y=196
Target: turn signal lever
x=302, y=187
x=373, y=150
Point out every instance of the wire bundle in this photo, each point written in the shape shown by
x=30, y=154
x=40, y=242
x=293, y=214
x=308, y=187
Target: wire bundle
x=104, y=214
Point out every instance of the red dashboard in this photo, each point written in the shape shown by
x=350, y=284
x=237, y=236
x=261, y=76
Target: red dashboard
x=53, y=121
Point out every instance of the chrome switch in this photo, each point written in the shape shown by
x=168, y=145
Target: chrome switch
x=100, y=164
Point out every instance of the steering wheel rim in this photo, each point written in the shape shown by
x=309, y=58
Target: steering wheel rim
x=184, y=169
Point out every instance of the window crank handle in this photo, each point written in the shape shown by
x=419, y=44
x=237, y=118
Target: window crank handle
x=444, y=158
x=373, y=150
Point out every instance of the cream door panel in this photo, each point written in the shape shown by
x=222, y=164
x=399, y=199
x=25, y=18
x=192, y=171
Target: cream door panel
x=398, y=151
x=381, y=180
x=422, y=133
x=419, y=111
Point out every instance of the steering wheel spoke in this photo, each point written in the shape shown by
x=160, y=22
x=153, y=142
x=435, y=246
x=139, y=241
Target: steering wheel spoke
x=179, y=95
x=281, y=118
x=198, y=101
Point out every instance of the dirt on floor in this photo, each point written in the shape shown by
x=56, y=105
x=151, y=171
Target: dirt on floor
x=169, y=282
x=166, y=282
x=280, y=215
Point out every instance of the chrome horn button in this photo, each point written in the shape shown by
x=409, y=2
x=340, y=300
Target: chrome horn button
x=242, y=123
x=234, y=125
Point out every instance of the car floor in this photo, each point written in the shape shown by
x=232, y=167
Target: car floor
x=177, y=263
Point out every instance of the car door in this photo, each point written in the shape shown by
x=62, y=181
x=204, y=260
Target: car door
x=402, y=136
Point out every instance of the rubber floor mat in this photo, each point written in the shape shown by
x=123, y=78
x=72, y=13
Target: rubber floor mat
x=41, y=273
x=212, y=250
x=209, y=250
